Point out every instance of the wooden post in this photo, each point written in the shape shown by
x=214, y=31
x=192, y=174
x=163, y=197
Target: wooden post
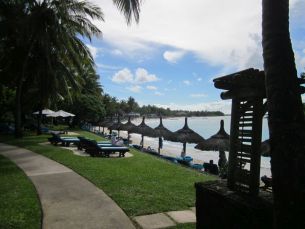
x=142, y=141
x=234, y=131
x=256, y=146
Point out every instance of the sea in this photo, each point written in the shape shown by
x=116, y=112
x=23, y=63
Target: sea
x=204, y=126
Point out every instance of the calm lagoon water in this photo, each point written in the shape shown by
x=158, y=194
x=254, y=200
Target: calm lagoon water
x=206, y=127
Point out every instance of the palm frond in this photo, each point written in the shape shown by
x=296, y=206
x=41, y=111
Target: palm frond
x=130, y=9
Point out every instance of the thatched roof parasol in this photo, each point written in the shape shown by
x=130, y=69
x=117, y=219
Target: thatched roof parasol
x=218, y=142
x=107, y=123
x=116, y=126
x=186, y=135
x=128, y=126
x=144, y=130
x=161, y=131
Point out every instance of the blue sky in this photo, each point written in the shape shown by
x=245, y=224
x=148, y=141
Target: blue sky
x=170, y=58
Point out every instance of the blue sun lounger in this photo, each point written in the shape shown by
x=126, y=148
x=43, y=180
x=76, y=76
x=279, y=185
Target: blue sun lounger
x=65, y=141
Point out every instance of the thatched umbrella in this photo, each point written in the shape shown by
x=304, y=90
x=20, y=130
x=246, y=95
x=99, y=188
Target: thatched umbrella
x=144, y=130
x=218, y=142
x=128, y=126
x=161, y=131
x=186, y=135
x=107, y=123
x=116, y=126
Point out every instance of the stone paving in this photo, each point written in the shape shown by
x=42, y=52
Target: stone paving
x=166, y=219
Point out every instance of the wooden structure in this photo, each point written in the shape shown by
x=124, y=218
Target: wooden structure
x=247, y=91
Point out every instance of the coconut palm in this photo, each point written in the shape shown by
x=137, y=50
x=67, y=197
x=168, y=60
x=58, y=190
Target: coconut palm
x=42, y=37
x=286, y=117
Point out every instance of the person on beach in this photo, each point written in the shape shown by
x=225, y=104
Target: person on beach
x=211, y=168
x=222, y=159
x=115, y=141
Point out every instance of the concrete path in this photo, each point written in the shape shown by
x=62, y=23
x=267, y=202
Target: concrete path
x=166, y=219
x=68, y=200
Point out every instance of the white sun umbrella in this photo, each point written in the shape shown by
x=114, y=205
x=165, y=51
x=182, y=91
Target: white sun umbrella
x=61, y=113
x=44, y=112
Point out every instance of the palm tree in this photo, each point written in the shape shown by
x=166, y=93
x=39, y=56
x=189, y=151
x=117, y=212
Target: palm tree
x=43, y=37
x=286, y=117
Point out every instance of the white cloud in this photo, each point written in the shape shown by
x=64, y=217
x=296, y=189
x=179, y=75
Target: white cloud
x=93, y=50
x=158, y=93
x=193, y=26
x=187, y=82
x=224, y=106
x=117, y=52
x=173, y=56
x=123, y=76
x=108, y=67
x=152, y=88
x=199, y=79
x=135, y=88
x=198, y=95
x=142, y=76
x=217, y=32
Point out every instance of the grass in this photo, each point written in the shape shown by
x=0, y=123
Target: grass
x=142, y=184
x=20, y=207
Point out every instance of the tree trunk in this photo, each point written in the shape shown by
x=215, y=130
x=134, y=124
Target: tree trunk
x=18, y=110
x=286, y=117
x=39, y=120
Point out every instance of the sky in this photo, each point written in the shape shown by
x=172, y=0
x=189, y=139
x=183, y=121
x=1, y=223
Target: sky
x=170, y=58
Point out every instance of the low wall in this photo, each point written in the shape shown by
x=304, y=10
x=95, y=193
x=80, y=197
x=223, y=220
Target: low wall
x=219, y=207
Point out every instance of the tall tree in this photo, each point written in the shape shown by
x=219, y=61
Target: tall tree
x=41, y=39
x=286, y=117
x=48, y=33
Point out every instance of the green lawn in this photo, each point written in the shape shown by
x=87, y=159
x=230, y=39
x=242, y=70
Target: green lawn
x=142, y=184
x=20, y=206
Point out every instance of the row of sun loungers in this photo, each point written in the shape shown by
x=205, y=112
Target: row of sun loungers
x=93, y=148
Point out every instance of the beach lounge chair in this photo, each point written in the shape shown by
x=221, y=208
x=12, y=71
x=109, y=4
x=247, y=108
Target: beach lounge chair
x=104, y=149
x=85, y=143
x=65, y=141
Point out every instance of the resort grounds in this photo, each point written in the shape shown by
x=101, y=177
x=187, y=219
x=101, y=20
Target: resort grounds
x=140, y=185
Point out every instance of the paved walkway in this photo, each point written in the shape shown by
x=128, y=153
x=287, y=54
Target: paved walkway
x=166, y=219
x=68, y=200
